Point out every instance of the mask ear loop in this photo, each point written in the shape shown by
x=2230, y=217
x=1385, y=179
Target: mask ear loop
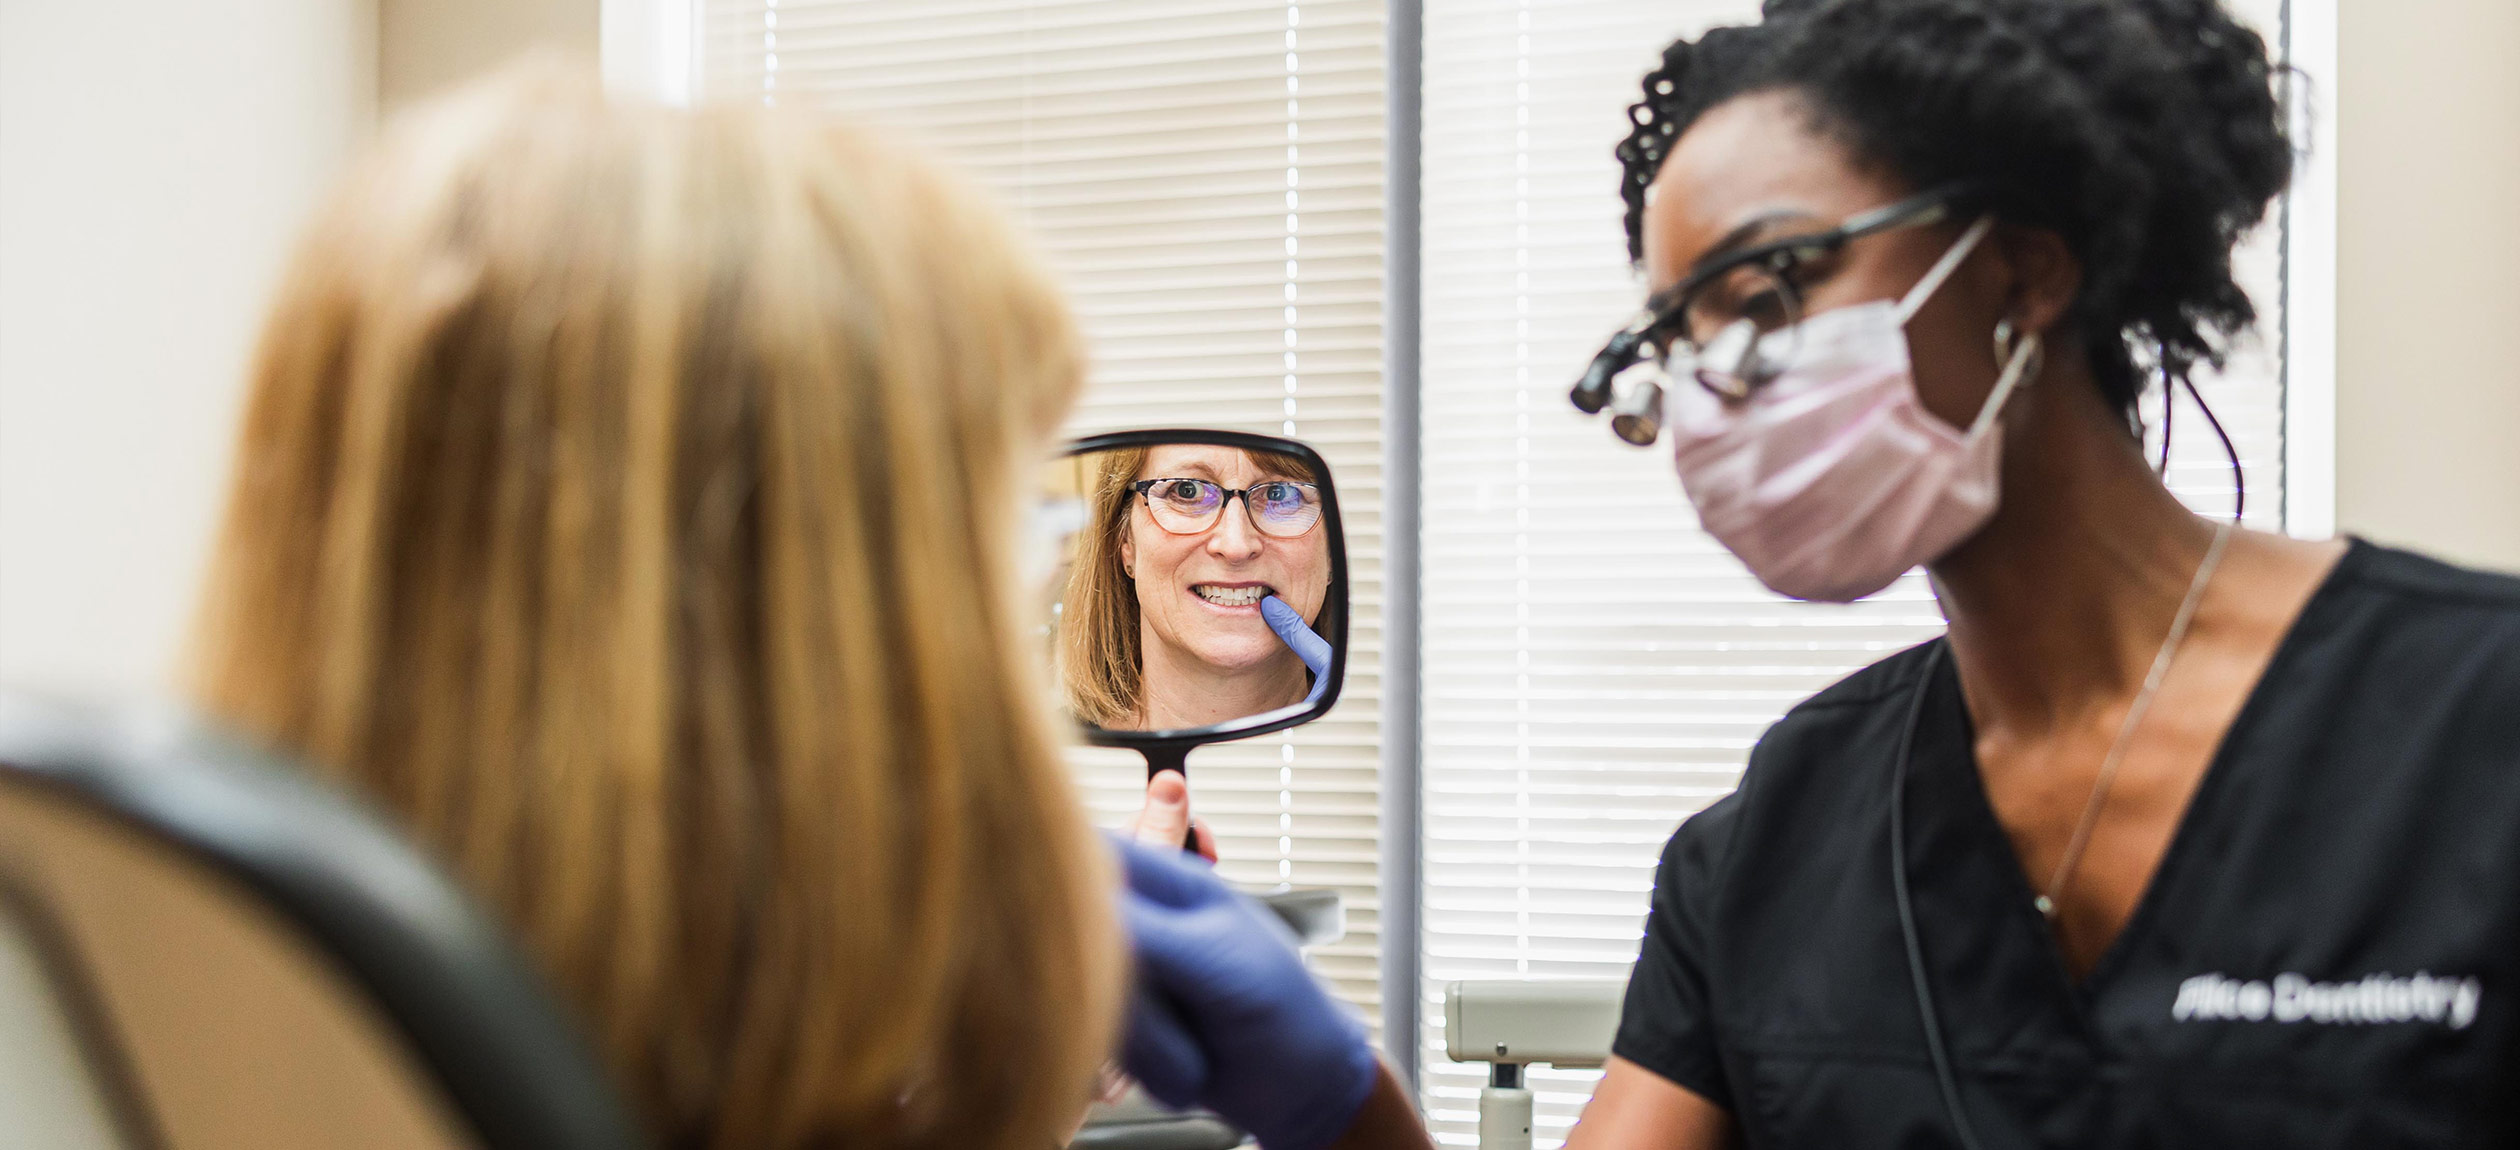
x=2027, y=354
x=2169, y=408
x=1942, y=269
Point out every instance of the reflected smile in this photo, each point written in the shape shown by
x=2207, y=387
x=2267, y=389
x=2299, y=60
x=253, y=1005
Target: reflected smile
x=1231, y=594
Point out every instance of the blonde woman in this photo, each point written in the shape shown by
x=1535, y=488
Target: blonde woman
x=622, y=501
x=1196, y=589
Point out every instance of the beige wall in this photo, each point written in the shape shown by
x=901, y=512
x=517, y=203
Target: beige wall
x=424, y=45
x=2428, y=276
x=157, y=157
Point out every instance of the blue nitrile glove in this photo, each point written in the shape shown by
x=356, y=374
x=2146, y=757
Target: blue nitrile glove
x=1307, y=645
x=1223, y=1014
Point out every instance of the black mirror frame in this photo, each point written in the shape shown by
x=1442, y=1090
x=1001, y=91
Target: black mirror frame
x=1168, y=749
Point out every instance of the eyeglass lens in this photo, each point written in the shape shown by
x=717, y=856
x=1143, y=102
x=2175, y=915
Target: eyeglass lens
x=1277, y=507
x=1754, y=292
x=1729, y=338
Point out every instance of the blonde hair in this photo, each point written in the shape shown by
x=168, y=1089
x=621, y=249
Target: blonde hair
x=623, y=498
x=1101, y=662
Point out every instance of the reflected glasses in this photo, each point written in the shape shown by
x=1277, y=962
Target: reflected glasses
x=1731, y=321
x=1278, y=507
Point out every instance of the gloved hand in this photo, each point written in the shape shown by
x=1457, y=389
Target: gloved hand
x=1308, y=645
x=1223, y=1014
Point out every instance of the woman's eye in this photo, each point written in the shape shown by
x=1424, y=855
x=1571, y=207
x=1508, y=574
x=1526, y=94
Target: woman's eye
x=1183, y=490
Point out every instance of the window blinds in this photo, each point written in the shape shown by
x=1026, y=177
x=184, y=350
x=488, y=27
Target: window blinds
x=1596, y=668
x=1206, y=175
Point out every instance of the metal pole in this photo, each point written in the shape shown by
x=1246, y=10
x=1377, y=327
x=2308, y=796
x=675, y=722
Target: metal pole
x=1402, y=742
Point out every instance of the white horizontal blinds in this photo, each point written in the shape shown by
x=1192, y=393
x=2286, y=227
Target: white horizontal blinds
x=1596, y=668
x=1206, y=176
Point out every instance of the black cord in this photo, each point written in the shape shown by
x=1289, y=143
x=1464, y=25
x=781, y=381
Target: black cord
x=1907, y=910
x=2169, y=407
x=2239, y=485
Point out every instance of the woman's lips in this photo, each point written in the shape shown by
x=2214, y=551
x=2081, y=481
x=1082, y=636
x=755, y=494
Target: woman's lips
x=1235, y=597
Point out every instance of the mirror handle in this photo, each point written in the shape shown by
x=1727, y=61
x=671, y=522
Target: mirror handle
x=1172, y=758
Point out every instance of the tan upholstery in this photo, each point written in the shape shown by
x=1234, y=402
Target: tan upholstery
x=234, y=1032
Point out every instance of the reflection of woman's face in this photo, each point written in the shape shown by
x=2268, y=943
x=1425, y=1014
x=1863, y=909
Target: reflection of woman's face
x=1200, y=594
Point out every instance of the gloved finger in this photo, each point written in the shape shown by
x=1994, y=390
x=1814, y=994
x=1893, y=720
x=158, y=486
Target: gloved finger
x=1307, y=644
x=1165, y=817
x=1165, y=877
x=1156, y=1048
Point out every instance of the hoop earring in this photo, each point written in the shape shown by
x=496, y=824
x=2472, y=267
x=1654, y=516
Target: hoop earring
x=2011, y=341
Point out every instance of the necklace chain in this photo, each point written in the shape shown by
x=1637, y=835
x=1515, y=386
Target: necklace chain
x=2134, y=718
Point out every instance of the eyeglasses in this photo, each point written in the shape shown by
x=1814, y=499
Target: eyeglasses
x=1732, y=320
x=1278, y=507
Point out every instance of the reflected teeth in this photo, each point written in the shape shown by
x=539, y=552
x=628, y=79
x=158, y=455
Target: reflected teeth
x=1229, y=596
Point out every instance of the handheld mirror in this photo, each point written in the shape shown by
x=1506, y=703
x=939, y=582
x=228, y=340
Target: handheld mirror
x=1199, y=588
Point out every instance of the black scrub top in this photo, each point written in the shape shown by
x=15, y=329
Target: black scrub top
x=2328, y=955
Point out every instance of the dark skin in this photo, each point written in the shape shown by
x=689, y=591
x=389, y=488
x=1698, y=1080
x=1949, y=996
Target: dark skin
x=2058, y=606
x=1387, y=1121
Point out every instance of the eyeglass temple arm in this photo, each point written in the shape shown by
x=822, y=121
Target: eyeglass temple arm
x=1915, y=211
x=1591, y=392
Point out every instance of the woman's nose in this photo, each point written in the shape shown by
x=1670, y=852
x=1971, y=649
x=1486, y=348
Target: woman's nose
x=1234, y=538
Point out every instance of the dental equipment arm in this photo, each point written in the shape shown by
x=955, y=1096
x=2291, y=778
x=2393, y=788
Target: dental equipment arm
x=1308, y=645
x=1510, y=1024
x=1569, y=1024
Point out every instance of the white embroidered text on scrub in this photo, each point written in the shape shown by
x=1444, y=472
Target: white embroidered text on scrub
x=2289, y=997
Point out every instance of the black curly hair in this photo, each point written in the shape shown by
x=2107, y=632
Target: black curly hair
x=2146, y=133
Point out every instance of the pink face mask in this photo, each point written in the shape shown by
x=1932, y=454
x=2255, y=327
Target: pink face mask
x=1831, y=479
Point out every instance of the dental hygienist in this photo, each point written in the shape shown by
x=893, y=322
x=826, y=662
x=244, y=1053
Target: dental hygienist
x=2184, y=835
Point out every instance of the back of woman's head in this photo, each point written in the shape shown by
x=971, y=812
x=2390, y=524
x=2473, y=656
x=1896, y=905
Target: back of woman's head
x=2146, y=133
x=624, y=500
